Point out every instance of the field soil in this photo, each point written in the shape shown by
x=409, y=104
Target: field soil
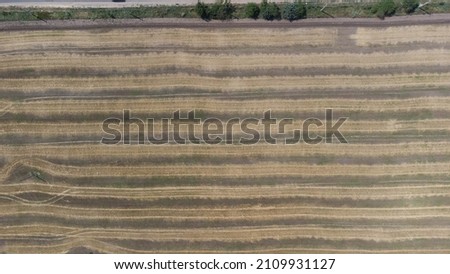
x=386, y=191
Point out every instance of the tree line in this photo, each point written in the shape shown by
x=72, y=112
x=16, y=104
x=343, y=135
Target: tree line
x=224, y=9
x=385, y=8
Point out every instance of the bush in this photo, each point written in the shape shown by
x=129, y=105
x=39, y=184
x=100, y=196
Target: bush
x=202, y=10
x=43, y=15
x=270, y=11
x=410, y=5
x=222, y=10
x=252, y=11
x=294, y=11
x=384, y=8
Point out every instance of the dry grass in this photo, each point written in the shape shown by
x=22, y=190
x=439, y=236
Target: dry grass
x=405, y=34
x=336, y=198
x=216, y=62
x=61, y=105
x=165, y=38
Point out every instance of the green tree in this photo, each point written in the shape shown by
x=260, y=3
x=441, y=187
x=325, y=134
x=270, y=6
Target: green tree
x=222, y=10
x=410, y=5
x=270, y=11
x=384, y=8
x=252, y=10
x=202, y=10
x=294, y=11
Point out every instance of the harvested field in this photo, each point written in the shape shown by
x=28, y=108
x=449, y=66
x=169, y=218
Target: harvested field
x=386, y=191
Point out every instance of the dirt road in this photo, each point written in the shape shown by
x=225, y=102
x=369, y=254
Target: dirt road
x=197, y=23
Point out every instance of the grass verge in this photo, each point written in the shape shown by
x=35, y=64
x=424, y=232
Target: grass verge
x=354, y=10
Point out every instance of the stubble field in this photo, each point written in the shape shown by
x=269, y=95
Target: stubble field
x=386, y=191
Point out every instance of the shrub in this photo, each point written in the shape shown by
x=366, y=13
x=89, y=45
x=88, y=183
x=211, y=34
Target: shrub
x=410, y=5
x=384, y=8
x=270, y=11
x=43, y=15
x=202, y=10
x=222, y=10
x=294, y=11
x=252, y=10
